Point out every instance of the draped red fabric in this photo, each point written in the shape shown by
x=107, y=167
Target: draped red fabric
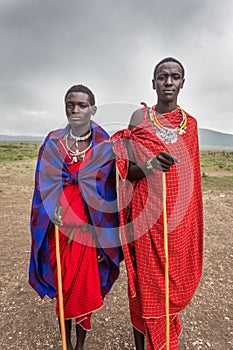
x=141, y=219
x=80, y=275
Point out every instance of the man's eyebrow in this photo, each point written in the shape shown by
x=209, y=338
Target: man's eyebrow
x=77, y=103
x=174, y=73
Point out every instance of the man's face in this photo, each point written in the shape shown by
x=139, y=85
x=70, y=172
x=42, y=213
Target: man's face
x=78, y=109
x=168, y=81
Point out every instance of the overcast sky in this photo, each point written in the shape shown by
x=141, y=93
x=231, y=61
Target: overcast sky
x=112, y=46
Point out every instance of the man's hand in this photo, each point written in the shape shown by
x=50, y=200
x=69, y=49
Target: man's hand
x=57, y=219
x=164, y=161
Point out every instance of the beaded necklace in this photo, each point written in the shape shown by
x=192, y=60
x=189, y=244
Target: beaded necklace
x=77, y=155
x=167, y=134
x=80, y=138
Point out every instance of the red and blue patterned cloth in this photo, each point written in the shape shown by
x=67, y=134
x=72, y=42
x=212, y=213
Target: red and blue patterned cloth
x=96, y=178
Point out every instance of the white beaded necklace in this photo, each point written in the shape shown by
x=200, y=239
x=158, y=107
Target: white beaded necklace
x=168, y=134
x=80, y=138
x=77, y=155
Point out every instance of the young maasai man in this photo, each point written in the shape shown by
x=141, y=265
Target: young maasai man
x=143, y=151
x=75, y=189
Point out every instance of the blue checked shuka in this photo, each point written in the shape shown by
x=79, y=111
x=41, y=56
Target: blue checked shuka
x=96, y=179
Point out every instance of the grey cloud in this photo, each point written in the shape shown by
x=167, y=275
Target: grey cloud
x=111, y=46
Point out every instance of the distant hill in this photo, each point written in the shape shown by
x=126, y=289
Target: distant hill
x=208, y=139
x=21, y=138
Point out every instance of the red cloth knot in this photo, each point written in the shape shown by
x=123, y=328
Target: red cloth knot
x=122, y=134
x=144, y=105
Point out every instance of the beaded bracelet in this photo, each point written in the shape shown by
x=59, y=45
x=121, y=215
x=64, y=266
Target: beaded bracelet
x=149, y=165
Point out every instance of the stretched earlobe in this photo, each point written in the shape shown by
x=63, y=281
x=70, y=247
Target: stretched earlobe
x=153, y=84
x=182, y=83
x=93, y=110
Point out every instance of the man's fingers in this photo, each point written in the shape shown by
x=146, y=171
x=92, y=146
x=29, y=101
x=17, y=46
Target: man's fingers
x=169, y=156
x=58, y=216
x=164, y=160
x=161, y=164
x=176, y=160
x=59, y=212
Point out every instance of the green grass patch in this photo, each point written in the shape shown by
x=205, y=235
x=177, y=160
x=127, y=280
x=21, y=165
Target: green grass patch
x=18, y=151
x=214, y=183
x=216, y=161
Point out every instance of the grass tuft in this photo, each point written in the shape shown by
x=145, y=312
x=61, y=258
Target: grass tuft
x=13, y=151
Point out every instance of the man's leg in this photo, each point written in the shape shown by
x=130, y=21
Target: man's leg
x=68, y=326
x=138, y=339
x=81, y=334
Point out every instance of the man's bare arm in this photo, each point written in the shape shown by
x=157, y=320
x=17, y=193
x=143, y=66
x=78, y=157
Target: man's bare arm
x=162, y=161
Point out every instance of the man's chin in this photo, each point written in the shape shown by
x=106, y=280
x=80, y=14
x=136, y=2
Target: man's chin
x=79, y=124
x=169, y=98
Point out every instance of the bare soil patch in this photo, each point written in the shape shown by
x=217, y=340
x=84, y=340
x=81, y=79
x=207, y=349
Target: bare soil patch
x=29, y=323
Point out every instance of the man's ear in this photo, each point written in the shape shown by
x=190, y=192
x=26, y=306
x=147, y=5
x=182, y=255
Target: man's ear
x=93, y=110
x=153, y=84
x=182, y=84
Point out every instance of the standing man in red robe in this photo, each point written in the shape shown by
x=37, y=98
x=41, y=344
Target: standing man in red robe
x=161, y=138
x=75, y=190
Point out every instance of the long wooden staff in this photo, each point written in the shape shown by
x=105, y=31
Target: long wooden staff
x=166, y=262
x=60, y=295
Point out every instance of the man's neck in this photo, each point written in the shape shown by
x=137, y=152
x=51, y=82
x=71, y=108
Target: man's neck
x=81, y=130
x=165, y=107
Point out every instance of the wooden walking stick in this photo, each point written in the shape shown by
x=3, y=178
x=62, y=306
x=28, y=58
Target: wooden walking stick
x=60, y=295
x=166, y=262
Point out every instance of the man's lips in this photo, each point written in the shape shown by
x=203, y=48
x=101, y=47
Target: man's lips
x=75, y=117
x=168, y=91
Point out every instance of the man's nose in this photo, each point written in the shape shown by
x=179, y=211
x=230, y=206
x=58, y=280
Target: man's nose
x=169, y=80
x=75, y=108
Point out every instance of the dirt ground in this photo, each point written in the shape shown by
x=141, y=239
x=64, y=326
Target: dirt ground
x=29, y=323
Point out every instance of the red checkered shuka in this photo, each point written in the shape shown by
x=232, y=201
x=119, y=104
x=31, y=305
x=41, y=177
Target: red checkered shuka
x=141, y=216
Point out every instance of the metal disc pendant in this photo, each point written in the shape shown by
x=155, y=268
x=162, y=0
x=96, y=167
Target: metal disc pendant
x=74, y=159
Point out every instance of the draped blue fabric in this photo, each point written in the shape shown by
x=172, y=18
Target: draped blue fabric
x=96, y=179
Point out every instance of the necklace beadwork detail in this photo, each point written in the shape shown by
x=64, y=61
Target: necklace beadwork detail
x=77, y=155
x=167, y=134
x=80, y=138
